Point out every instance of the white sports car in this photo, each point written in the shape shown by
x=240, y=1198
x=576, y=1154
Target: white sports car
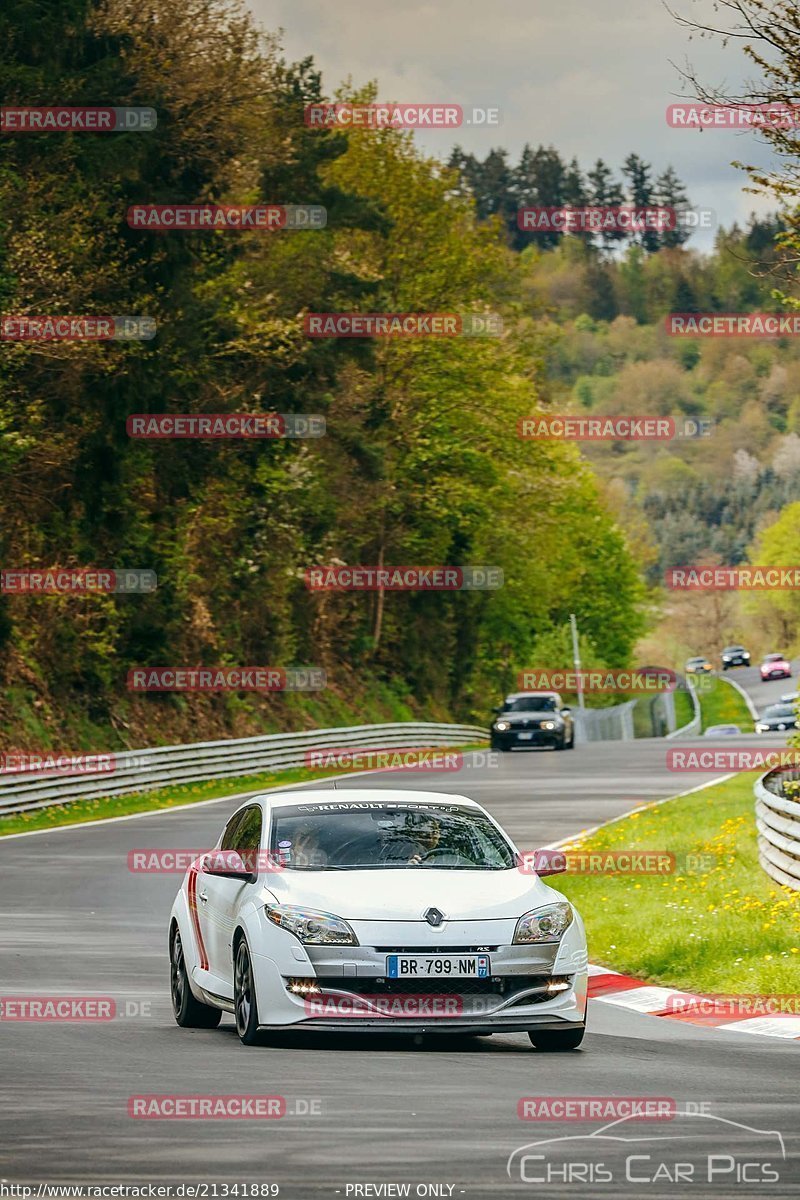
x=375, y=911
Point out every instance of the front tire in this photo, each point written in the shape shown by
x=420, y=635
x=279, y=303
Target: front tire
x=189, y=1012
x=555, y=1040
x=244, y=996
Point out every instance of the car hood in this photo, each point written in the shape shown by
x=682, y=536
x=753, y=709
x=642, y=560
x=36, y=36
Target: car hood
x=405, y=893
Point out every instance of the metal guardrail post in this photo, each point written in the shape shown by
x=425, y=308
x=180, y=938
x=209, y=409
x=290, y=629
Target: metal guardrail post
x=158, y=766
x=778, y=827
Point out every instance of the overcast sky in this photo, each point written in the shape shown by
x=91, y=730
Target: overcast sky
x=591, y=77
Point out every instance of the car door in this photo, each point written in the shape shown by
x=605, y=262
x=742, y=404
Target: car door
x=219, y=896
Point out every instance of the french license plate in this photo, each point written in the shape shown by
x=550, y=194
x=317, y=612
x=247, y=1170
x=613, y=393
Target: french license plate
x=437, y=966
x=524, y=737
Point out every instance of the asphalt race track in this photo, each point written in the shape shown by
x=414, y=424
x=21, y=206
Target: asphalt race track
x=378, y=1111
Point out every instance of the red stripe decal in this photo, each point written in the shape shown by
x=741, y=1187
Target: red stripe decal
x=201, y=946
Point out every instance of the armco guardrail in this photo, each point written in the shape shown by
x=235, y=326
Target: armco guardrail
x=143, y=770
x=604, y=724
x=778, y=826
x=694, y=726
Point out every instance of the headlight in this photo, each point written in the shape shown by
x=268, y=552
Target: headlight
x=544, y=924
x=745, y=655
x=501, y=725
x=548, y=724
x=726, y=658
x=311, y=927
x=761, y=727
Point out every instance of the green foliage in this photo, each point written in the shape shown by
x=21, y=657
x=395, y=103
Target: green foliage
x=421, y=463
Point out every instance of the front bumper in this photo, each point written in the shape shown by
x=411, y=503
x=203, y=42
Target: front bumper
x=510, y=739
x=356, y=996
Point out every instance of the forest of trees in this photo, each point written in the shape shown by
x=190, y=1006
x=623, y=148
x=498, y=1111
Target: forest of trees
x=542, y=178
x=421, y=463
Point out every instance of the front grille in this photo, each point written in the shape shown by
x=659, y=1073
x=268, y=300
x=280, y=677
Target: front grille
x=500, y=986
x=394, y=949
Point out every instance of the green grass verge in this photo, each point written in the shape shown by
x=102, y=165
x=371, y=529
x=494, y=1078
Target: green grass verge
x=100, y=808
x=684, y=709
x=643, y=708
x=721, y=704
x=725, y=928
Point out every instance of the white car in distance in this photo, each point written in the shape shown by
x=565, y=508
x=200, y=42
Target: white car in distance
x=375, y=911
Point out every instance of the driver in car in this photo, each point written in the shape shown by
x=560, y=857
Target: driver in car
x=427, y=834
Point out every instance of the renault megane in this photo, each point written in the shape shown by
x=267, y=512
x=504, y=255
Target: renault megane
x=372, y=911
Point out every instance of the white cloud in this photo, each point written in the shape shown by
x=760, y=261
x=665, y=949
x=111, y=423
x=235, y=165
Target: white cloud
x=591, y=77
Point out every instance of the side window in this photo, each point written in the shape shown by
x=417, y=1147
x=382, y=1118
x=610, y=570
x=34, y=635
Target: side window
x=247, y=836
x=229, y=836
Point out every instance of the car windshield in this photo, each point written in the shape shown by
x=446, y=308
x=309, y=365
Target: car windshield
x=530, y=704
x=733, y=650
x=696, y=660
x=774, y=658
x=779, y=710
x=355, y=835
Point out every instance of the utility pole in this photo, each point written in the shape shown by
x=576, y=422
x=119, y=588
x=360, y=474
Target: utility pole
x=576, y=658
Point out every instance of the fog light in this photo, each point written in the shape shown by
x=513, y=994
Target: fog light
x=558, y=985
x=302, y=987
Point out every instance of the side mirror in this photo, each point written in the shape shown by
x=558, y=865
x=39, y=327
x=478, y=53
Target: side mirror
x=229, y=864
x=542, y=862
x=565, y=709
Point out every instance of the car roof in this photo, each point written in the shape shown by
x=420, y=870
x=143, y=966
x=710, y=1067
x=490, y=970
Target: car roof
x=772, y=657
x=697, y=658
x=520, y=695
x=382, y=795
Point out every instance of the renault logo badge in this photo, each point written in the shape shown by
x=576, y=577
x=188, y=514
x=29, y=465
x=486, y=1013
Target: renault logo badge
x=433, y=916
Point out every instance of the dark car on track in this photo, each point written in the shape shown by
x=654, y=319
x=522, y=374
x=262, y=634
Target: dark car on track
x=734, y=656
x=526, y=719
